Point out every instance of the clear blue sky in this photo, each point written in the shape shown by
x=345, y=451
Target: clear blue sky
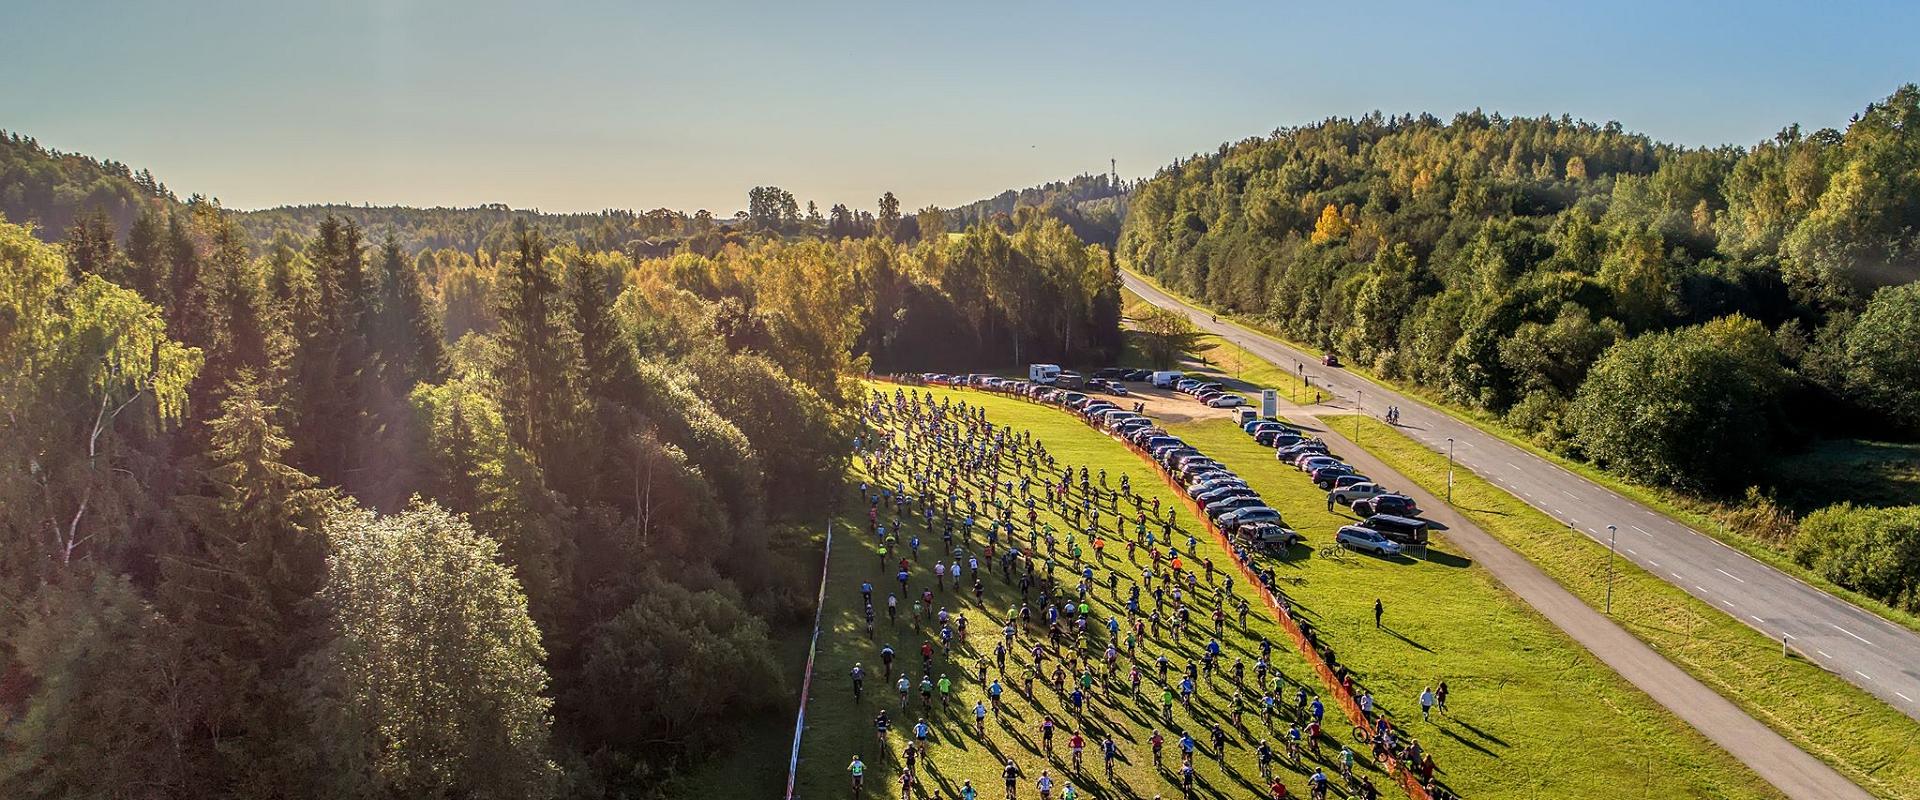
x=589, y=105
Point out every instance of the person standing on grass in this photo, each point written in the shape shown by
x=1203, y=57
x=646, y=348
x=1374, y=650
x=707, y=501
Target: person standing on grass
x=1329, y=502
x=1440, y=698
x=1379, y=610
x=1426, y=703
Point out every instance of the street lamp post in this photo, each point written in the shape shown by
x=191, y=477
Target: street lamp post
x=1611, y=533
x=1449, y=470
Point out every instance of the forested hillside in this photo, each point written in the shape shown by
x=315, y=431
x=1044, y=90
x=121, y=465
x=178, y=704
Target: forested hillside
x=53, y=189
x=451, y=504
x=1499, y=260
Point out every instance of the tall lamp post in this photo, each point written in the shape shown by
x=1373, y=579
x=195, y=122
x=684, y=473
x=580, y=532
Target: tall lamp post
x=1611, y=533
x=1449, y=470
x=1359, y=404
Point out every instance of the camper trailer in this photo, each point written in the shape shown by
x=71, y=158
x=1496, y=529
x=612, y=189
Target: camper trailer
x=1043, y=373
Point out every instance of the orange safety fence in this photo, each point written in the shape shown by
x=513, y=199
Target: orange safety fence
x=1402, y=774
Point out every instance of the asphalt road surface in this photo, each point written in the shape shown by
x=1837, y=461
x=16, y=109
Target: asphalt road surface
x=1855, y=644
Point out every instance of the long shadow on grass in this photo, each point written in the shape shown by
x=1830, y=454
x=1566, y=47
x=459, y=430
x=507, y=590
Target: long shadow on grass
x=1468, y=742
x=1403, y=637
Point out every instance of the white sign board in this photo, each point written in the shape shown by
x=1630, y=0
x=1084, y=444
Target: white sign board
x=1269, y=404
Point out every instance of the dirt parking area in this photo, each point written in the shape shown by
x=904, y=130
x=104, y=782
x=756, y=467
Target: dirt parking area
x=1168, y=406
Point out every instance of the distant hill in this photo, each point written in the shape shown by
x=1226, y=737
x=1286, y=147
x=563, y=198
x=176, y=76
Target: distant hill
x=1092, y=205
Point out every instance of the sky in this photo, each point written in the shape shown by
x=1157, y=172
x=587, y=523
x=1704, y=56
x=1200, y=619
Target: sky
x=581, y=106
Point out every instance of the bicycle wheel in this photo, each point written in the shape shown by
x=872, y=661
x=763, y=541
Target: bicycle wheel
x=1361, y=734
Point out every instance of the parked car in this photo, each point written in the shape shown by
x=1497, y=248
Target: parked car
x=1209, y=386
x=1210, y=479
x=1226, y=492
x=1227, y=401
x=1185, y=385
x=1110, y=373
x=1330, y=360
x=1206, y=396
x=1279, y=438
x=1405, y=530
x=1192, y=468
x=1165, y=379
x=1143, y=435
x=1396, y=504
x=1323, y=476
x=1138, y=375
x=1233, y=503
x=1169, y=457
x=1312, y=461
x=1343, y=481
x=1232, y=520
x=1214, y=484
x=1134, y=424
x=1359, y=491
x=1293, y=451
x=1268, y=537
x=1257, y=426
x=1368, y=540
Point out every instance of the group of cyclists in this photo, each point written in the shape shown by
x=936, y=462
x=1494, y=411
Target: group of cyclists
x=1116, y=607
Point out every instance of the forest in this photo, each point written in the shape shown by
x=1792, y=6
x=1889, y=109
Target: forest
x=1680, y=316
x=311, y=503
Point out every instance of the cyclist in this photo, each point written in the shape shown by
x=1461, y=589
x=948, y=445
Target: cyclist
x=859, y=772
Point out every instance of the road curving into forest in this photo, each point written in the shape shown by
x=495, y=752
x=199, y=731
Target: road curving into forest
x=1858, y=645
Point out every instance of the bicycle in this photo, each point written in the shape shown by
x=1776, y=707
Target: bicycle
x=1333, y=552
x=1362, y=734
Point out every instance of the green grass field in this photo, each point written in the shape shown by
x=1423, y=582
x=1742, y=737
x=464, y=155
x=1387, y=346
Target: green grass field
x=1862, y=737
x=1533, y=714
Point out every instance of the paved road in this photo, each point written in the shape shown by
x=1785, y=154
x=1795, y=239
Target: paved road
x=1855, y=644
x=1768, y=754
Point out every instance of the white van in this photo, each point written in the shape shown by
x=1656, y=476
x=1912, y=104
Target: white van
x=1043, y=373
x=1165, y=379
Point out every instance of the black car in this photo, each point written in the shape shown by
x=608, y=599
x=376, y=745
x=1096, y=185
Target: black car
x=1394, y=504
x=1111, y=374
x=1138, y=375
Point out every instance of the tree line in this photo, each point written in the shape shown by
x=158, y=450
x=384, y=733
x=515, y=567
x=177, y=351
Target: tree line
x=322, y=514
x=1678, y=316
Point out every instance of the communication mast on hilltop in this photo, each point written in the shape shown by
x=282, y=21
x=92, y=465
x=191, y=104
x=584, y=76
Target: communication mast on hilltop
x=1113, y=166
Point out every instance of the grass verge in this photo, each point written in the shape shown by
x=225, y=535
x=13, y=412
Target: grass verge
x=1863, y=738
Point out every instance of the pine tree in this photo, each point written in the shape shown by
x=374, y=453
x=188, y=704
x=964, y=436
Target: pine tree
x=148, y=269
x=534, y=357
x=330, y=373
x=240, y=585
x=406, y=334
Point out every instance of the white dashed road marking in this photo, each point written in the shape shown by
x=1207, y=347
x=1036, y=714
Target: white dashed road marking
x=1849, y=633
x=1729, y=574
